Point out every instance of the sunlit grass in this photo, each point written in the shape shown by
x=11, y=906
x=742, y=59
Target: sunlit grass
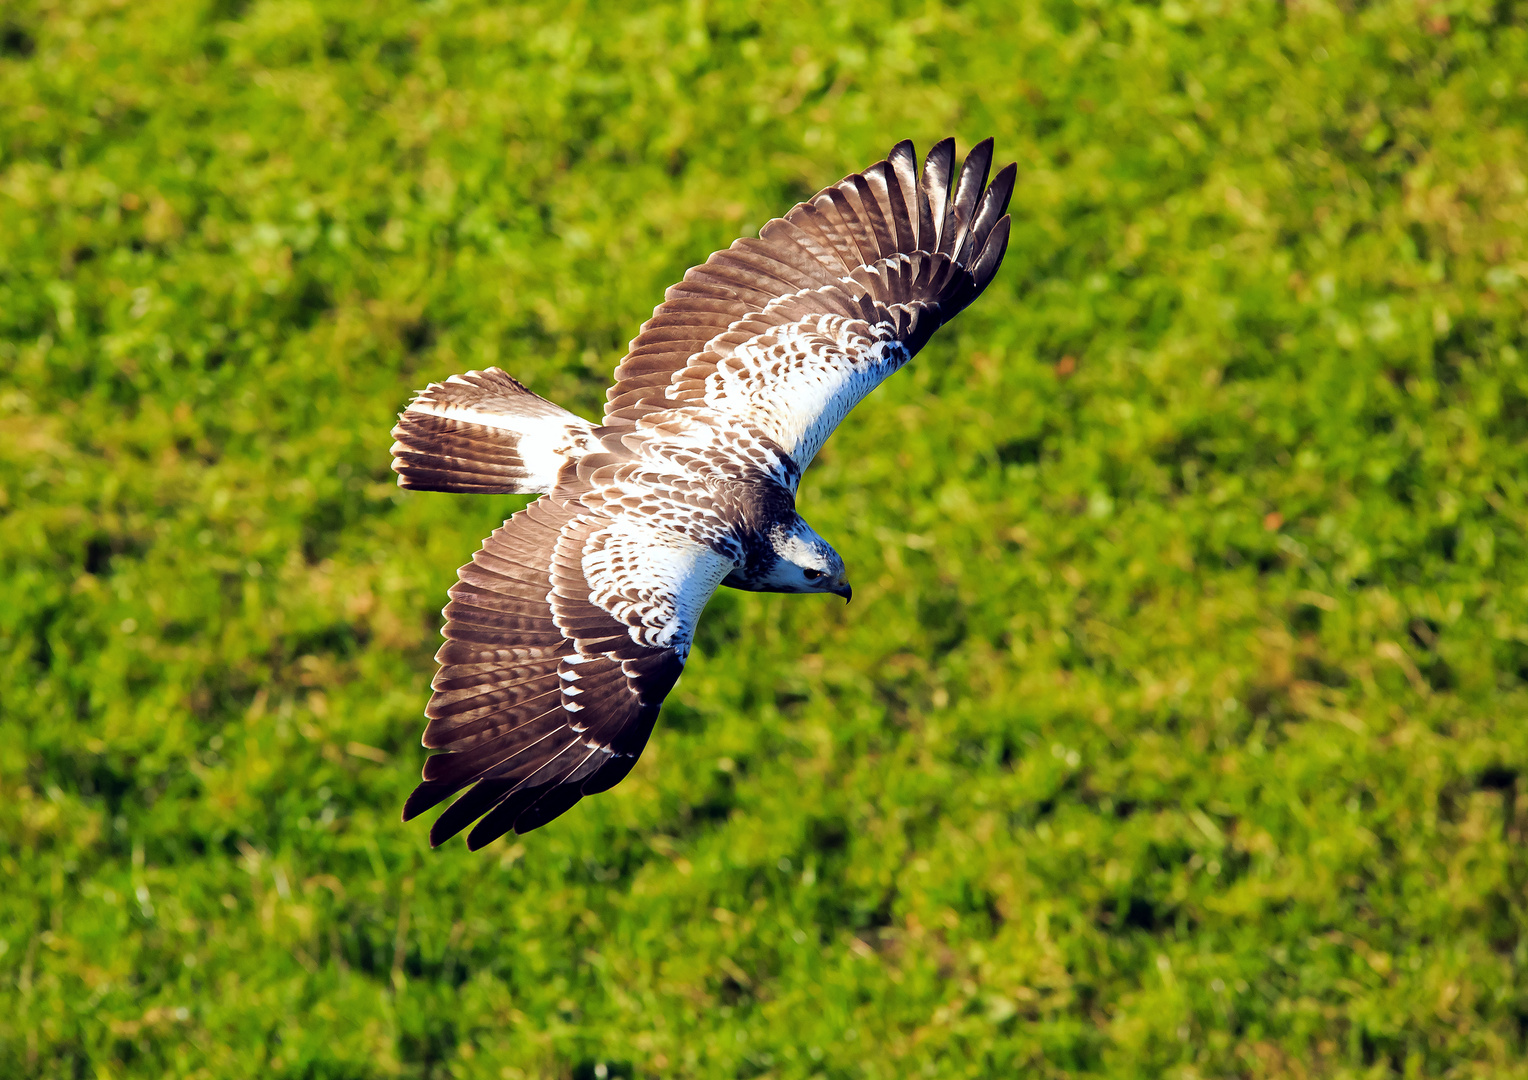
x=1177, y=726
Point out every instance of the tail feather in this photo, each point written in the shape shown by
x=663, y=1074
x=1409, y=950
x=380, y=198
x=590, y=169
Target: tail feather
x=484, y=433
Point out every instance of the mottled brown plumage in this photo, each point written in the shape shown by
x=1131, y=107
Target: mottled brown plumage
x=573, y=621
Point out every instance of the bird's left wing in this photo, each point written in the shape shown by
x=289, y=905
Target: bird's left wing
x=784, y=334
x=564, y=635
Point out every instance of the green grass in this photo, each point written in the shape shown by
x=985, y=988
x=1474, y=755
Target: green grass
x=1178, y=725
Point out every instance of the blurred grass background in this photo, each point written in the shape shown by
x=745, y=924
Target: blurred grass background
x=1177, y=728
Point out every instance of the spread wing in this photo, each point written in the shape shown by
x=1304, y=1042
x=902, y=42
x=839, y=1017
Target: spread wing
x=563, y=636
x=786, y=333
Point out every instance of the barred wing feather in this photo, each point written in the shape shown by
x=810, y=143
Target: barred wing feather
x=563, y=636
x=788, y=332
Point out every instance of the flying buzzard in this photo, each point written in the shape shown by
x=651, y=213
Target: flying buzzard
x=573, y=620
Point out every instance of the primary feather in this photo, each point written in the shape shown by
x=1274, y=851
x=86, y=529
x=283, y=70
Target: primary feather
x=572, y=622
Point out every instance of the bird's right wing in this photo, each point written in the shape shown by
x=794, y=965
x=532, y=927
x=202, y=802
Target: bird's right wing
x=564, y=635
x=784, y=334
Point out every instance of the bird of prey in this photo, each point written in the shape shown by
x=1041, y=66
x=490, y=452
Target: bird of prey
x=573, y=620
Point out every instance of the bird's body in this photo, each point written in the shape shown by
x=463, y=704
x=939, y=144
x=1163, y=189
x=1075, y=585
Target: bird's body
x=574, y=619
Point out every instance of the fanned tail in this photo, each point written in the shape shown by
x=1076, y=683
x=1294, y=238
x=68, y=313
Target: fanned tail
x=484, y=433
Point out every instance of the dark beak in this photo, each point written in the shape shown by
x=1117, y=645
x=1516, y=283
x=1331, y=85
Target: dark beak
x=845, y=591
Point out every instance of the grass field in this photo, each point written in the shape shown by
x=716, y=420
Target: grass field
x=1177, y=727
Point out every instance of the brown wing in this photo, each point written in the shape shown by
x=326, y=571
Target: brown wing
x=550, y=683
x=877, y=261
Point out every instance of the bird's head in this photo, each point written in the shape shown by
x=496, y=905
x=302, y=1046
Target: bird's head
x=804, y=563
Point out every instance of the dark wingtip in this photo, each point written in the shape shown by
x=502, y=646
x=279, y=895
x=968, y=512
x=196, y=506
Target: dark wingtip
x=978, y=165
x=418, y=802
x=1001, y=188
x=934, y=188
x=939, y=169
x=969, y=190
x=480, y=838
x=984, y=269
x=439, y=835
x=993, y=204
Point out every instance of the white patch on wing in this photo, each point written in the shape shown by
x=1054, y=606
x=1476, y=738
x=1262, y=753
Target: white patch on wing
x=653, y=579
x=796, y=383
x=543, y=440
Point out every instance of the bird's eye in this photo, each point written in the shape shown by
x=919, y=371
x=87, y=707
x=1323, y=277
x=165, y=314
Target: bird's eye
x=812, y=575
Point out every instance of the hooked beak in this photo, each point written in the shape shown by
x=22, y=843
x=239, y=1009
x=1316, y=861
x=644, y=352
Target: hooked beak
x=843, y=589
